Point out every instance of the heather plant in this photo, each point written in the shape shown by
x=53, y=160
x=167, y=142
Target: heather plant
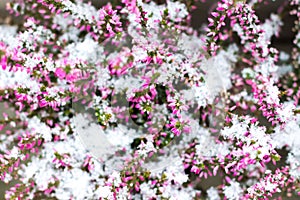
x=129, y=101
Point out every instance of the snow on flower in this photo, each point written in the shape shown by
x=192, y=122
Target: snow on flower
x=233, y=191
x=128, y=100
x=213, y=194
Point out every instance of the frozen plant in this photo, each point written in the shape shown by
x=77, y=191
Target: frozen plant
x=129, y=101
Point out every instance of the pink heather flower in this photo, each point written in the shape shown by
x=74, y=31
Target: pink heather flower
x=115, y=102
x=59, y=72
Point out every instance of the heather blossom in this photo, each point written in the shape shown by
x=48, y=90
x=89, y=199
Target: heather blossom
x=128, y=100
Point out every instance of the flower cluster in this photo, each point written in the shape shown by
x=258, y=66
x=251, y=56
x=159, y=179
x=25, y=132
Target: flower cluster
x=128, y=100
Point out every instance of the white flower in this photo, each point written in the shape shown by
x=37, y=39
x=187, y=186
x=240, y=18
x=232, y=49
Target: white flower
x=153, y=13
x=270, y=186
x=248, y=73
x=7, y=178
x=116, y=177
x=124, y=134
x=14, y=153
x=272, y=94
x=147, y=191
x=73, y=183
x=104, y=192
x=201, y=95
x=122, y=193
x=213, y=194
x=176, y=10
x=190, y=45
x=237, y=130
x=286, y=112
x=234, y=191
x=144, y=149
x=176, y=174
x=87, y=50
x=287, y=136
x=81, y=10
x=8, y=35
x=208, y=148
x=41, y=128
x=11, y=79
x=272, y=26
